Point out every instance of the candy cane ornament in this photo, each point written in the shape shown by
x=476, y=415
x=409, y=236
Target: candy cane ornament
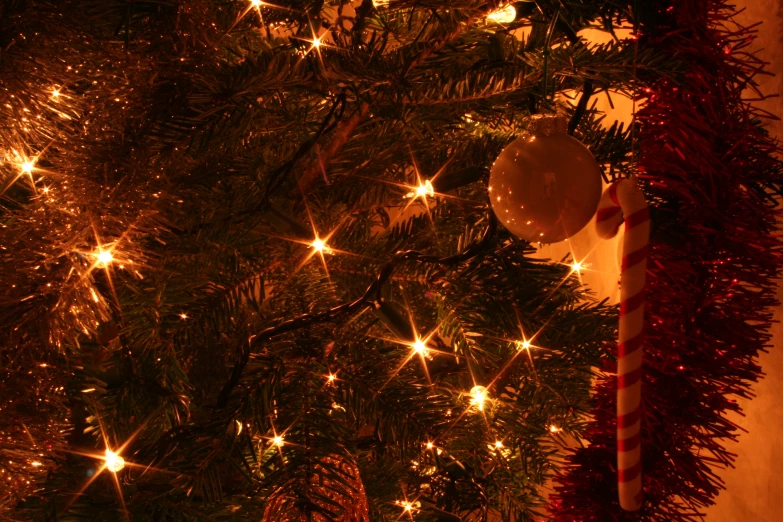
x=622, y=202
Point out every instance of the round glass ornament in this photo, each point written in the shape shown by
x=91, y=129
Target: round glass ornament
x=545, y=185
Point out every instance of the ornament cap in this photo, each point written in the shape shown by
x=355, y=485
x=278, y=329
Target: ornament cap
x=548, y=124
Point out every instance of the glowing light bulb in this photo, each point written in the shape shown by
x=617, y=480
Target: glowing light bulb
x=256, y=3
x=430, y=445
x=498, y=444
x=576, y=266
x=27, y=167
x=55, y=93
x=420, y=347
x=332, y=377
x=523, y=345
x=183, y=316
x=504, y=15
x=425, y=189
x=320, y=246
x=277, y=440
x=114, y=462
x=316, y=43
x=104, y=257
x=407, y=506
x=553, y=429
x=478, y=396
x=35, y=464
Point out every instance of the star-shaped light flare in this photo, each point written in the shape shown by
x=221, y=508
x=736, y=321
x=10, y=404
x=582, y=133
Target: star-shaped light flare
x=24, y=165
x=577, y=266
x=408, y=507
x=420, y=346
x=113, y=462
x=254, y=5
x=319, y=246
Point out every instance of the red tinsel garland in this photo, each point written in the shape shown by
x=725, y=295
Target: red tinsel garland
x=709, y=171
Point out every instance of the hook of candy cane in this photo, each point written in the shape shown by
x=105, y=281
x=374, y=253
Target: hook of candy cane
x=622, y=202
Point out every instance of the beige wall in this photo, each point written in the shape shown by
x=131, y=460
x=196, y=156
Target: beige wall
x=755, y=487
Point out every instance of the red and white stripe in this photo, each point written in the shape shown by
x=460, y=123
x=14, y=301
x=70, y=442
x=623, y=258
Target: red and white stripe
x=622, y=202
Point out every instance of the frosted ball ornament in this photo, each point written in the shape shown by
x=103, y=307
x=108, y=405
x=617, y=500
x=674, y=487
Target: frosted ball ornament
x=545, y=186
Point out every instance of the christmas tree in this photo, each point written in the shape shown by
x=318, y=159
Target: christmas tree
x=251, y=269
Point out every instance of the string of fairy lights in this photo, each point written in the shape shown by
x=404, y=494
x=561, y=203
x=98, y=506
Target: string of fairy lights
x=109, y=254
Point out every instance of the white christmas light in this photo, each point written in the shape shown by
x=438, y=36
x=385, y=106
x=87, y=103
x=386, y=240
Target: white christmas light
x=114, y=462
x=478, y=396
x=27, y=167
x=104, y=257
x=504, y=15
x=320, y=246
x=425, y=189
